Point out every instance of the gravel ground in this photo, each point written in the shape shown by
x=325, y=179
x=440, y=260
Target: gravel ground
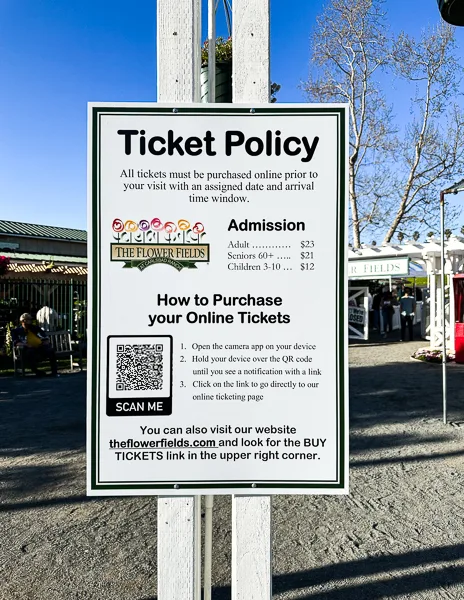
x=399, y=534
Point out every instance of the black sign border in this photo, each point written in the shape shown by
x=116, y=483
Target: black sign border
x=97, y=112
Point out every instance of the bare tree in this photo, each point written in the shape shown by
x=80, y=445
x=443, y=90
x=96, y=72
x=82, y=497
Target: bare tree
x=349, y=47
x=394, y=182
x=431, y=150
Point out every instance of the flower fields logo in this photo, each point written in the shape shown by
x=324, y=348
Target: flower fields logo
x=146, y=243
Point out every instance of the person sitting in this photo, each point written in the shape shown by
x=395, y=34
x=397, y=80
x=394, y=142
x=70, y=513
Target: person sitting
x=34, y=345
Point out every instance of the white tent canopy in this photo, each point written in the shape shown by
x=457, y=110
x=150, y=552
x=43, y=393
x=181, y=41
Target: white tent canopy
x=424, y=260
x=416, y=251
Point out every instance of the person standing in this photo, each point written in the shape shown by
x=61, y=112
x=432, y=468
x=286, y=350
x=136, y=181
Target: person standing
x=407, y=309
x=386, y=306
x=377, y=299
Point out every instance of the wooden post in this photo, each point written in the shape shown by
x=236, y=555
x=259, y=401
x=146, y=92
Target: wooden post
x=179, y=547
x=179, y=518
x=251, y=51
x=178, y=50
x=251, y=548
x=251, y=515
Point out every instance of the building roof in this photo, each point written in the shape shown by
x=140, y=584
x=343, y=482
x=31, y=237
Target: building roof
x=46, y=258
x=42, y=231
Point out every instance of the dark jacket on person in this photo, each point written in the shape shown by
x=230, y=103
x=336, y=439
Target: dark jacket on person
x=387, y=302
x=376, y=301
x=19, y=334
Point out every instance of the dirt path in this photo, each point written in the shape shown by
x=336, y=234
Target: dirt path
x=400, y=533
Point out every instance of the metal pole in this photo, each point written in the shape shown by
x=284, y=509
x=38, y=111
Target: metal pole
x=211, y=51
x=443, y=312
x=71, y=308
x=209, y=500
x=227, y=12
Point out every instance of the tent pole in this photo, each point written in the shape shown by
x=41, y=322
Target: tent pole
x=454, y=189
x=443, y=312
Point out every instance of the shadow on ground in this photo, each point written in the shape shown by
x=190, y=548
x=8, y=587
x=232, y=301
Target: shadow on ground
x=403, y=391
x=434, y=574
x=41, y=415
x=47, y=416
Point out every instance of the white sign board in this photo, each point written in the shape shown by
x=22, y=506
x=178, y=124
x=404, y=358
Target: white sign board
x=218, y=299
x=379, y=267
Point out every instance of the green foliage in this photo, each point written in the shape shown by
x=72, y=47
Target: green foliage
x=224, y=55
x=223, y=51
x=8, y=342
x=420, y=282
x=80, y=309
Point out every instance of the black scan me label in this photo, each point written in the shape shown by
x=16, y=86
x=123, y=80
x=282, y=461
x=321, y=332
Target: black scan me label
x=139, y=376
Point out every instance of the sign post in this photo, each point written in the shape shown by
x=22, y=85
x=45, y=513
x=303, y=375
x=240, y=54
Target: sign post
x=218, y=300
x=219, y=323
x=178, y=534
x=251, y=515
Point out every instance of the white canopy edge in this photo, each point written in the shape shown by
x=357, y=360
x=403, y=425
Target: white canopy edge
x=411, y=249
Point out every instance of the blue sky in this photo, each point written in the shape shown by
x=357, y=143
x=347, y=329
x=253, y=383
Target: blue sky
x=56, y=56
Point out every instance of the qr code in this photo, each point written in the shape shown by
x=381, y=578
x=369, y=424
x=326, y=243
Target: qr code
x=139, y=367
